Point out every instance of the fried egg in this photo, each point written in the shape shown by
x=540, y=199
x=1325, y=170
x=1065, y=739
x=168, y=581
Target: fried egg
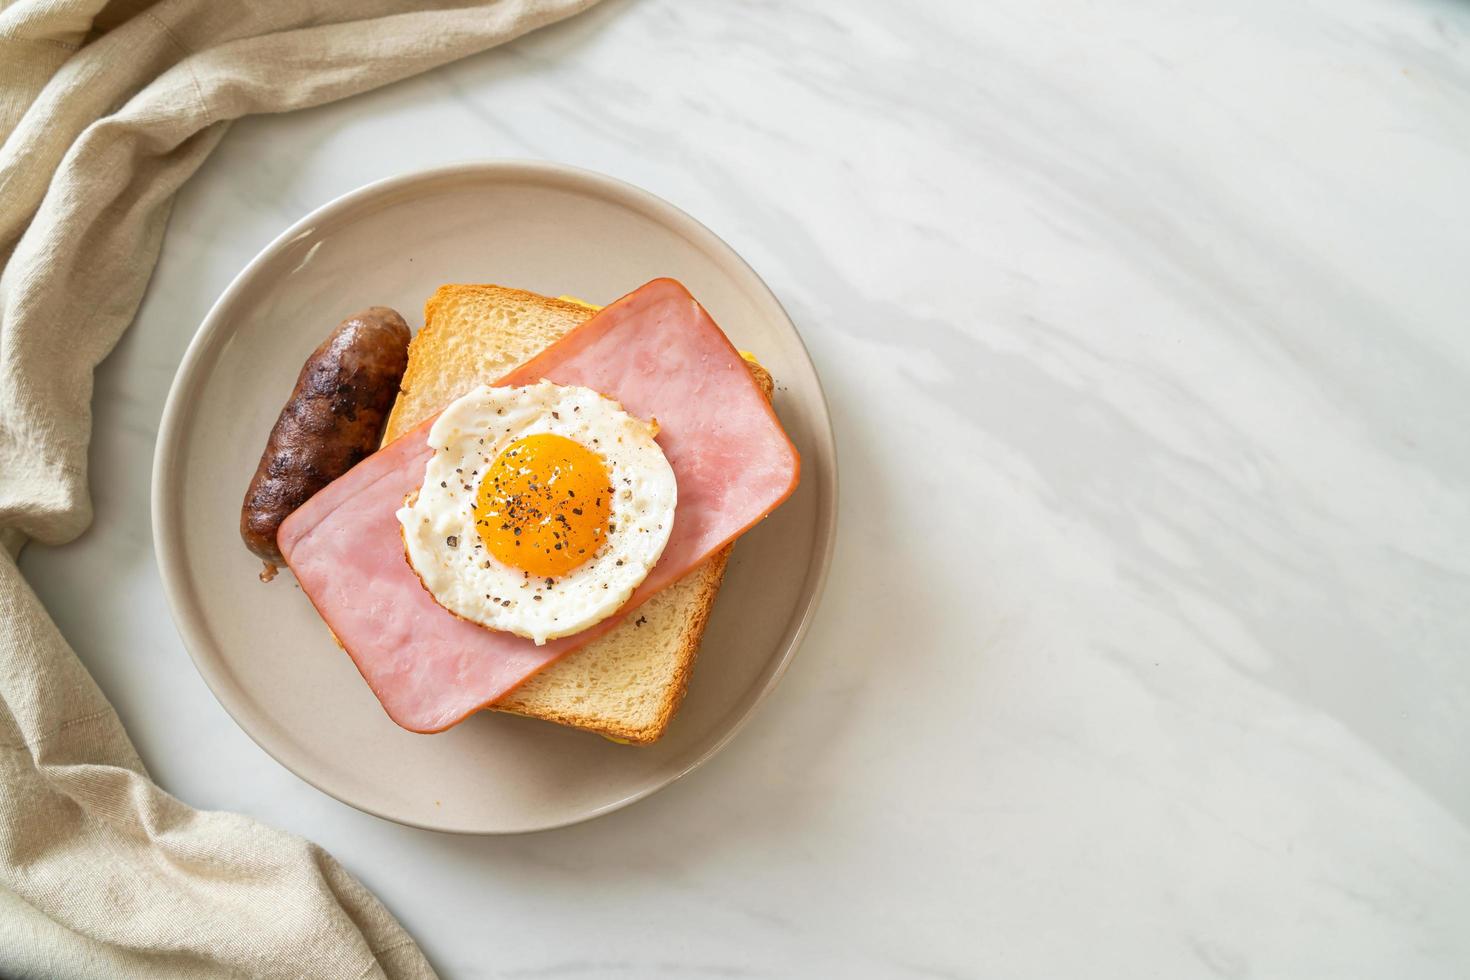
x=542, y=509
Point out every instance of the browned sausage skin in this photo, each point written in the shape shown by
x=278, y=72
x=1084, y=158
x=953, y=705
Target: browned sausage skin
x=333, y=420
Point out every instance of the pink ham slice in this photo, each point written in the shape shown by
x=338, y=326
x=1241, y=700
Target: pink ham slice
x=655, y=350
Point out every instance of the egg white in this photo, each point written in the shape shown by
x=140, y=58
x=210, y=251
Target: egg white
x=442, y=545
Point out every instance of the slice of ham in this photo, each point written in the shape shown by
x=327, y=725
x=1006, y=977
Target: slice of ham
x=655, y=350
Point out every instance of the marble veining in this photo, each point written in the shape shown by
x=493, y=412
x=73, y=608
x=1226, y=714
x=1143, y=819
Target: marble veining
x=1144, y=328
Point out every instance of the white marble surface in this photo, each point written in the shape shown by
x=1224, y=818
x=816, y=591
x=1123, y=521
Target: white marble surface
x=1146, y=329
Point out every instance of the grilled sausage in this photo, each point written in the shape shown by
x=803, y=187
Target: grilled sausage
x=333, y=420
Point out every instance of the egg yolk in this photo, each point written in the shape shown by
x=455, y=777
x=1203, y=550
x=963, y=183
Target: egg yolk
x=544, y=505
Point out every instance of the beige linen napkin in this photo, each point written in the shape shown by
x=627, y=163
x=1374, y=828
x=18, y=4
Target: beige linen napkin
x=105, y=109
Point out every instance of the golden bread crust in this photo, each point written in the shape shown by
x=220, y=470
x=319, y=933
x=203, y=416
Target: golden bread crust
x=628, y=684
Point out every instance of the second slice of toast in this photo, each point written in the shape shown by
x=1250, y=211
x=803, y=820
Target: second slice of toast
x=627, y=684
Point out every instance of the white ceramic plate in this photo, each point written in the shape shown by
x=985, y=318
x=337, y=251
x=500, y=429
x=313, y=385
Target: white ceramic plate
x=263, y=650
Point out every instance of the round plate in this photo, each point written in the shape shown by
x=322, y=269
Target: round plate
x=261, y=647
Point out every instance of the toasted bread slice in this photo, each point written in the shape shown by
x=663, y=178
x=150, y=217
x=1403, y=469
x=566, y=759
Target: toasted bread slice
x=627, y=684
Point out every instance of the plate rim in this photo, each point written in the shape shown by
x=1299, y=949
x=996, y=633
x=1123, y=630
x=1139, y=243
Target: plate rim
x=164, y=497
